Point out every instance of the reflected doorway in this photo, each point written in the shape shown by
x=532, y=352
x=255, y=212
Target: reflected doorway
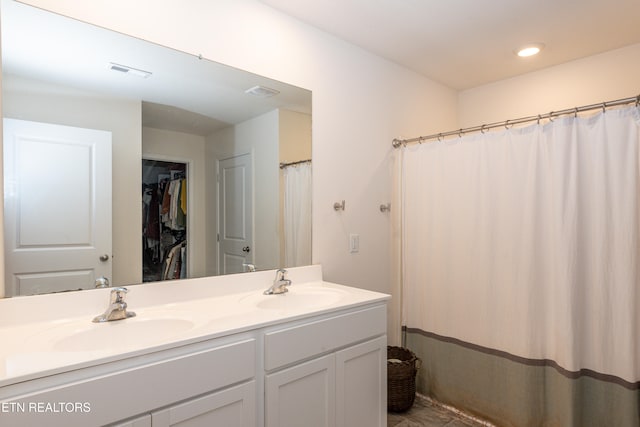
x=235, y=214
x=57, y=207
x=164, y=220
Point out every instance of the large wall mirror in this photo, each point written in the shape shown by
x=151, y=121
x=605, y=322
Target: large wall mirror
x=129, y=162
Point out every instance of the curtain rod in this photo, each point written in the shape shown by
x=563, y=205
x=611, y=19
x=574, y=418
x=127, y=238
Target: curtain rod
x=603, y=105
x=284, y=165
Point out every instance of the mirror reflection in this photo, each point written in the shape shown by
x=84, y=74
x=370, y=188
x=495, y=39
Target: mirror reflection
x=125, y=161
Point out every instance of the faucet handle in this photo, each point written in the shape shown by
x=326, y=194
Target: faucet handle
x=117, y=295
x=101, y=282
x=280, y=274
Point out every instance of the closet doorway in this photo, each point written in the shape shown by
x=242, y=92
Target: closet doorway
x=164, y=220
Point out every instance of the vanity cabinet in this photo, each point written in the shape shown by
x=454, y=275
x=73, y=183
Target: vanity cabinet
x=302, y=395
x=233, y=407
x=119, y=391
x=143, y=421
x=316, y=376
x=315, y=370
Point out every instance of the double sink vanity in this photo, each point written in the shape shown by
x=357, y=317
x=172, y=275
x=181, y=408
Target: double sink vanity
x=213, y=351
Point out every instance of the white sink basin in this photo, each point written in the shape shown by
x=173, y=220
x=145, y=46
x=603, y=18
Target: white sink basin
x=135, y=332
x=301, y=298
x=122, y=333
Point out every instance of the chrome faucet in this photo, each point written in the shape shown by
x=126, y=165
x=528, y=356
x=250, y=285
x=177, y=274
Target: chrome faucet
x=117, y=309
x=280, y=283
x=249, y=267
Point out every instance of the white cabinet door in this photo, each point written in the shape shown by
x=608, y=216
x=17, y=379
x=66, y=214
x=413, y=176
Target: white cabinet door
x=361, y=384
x=143, y=421
x=232, y=407
x=303, y=395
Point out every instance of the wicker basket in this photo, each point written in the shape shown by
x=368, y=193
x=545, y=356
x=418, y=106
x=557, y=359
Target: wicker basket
x=402, y=366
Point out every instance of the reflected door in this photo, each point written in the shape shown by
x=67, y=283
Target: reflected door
x=57, y=207
x=235, y=213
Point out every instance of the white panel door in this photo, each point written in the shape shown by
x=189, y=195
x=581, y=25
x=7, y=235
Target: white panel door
x=57, y=208
x=235, y=213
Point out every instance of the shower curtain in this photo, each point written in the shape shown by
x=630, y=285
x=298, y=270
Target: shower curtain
x=520, y=266
x=297, y=215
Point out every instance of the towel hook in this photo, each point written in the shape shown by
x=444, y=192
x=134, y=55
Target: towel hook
x=339, y=206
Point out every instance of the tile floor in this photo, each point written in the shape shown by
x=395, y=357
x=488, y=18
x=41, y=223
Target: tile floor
x=425, y=412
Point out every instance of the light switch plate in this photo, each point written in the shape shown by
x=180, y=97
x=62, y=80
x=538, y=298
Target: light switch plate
x=354, y=243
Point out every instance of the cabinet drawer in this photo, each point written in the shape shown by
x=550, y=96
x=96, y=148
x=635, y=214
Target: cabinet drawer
x=286, y=346
x=140, y=388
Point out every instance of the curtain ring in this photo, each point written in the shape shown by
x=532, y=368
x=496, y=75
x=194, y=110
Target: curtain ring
x=604, y=107
x=638, y=101
x=419, y=140
x=439, y=137
x=460, y=133
x=506, y=124
x=575, y=113
x=551, y=116
x=539, y=118
x=482, y=127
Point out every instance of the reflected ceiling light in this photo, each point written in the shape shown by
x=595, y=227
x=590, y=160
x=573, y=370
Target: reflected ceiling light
x=261, y=91
x=529, y=50
x=129, y=70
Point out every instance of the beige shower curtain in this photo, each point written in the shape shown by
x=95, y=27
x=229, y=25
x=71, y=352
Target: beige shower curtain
x=521, y=275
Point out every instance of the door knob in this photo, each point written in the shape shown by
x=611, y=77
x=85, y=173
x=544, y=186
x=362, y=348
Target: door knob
x=246, y=249
x=104, y=257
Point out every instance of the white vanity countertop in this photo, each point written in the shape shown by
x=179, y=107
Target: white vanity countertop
x=50, y=334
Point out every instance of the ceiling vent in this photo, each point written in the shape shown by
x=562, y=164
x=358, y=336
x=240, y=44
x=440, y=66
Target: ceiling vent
x=129, y=70
x=262, y=91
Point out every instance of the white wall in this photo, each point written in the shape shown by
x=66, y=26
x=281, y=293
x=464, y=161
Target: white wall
x=158, y=144
x=604, y=77
x=360, y=103
x=294, y=131
x=54, y=104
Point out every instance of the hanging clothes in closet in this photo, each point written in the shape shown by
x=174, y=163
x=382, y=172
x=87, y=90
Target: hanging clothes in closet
x=164, y=220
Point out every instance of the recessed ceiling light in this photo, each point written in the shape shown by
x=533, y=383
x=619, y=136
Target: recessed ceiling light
x=129, y=70
x=529, y=50
x=262, y=91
